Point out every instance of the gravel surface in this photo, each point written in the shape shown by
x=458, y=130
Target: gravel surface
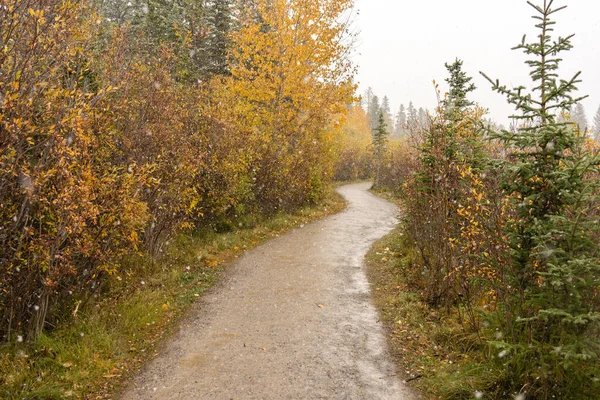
x=293, y=319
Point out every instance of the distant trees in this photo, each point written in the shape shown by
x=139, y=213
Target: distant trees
x=387, y=114
x=406, y=121
x=380, y=140
x=354, y=148
x=373, y=110
x=579, y=117
x=400, y=122
x=597, y=124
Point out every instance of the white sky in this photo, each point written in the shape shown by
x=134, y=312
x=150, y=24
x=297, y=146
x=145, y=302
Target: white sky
x=404, y=44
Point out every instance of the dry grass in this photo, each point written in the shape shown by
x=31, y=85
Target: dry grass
x=432, y=350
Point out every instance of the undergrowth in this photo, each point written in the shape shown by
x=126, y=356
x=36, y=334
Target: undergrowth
x=432, y=350
x=105, y=342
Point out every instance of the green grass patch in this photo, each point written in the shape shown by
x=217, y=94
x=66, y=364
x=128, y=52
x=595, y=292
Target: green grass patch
x=431, y=348
x=94, y=353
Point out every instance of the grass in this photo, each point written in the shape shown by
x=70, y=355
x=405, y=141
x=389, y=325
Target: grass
x=92, y=355
x=431, y=348
x=433, y=352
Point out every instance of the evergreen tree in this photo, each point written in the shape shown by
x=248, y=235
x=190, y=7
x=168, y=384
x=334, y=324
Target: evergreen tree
x=579, y=118
x=380, y=139
x=422, y=117
x=551, y=308
x=412, y=120
x=400, y=125
x=366, y=99
x=121, y=11
x=385, y=106
x=597, y=124
x=460, y=86
x=218, y=24
x=412, y=112
x=373, y=111
x=387, y=113
x=161, y=19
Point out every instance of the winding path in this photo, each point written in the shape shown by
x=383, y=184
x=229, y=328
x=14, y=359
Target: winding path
x=293, y=320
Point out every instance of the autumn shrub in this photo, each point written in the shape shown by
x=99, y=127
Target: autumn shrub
x=398, y=165
x=120, y=130
x=354, y=156
x=155, y=133
x=505, y=225
x=436, y=191
x=66, y=214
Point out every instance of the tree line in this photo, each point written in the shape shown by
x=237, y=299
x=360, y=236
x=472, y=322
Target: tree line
x=123, y=123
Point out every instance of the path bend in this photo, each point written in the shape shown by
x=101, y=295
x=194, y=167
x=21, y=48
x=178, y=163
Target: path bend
x=293, y=319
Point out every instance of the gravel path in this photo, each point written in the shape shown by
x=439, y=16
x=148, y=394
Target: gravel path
x=293, y=320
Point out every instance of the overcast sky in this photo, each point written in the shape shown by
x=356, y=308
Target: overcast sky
x=404, y=44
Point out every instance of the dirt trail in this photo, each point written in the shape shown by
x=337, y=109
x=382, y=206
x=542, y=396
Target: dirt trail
x=293, y=320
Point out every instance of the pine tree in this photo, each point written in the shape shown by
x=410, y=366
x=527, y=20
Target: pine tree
x=373, y=111
x=216, y=44
x=400, y=125
x=412, y=118
x=387, y=113
x=121, y=11
x=162, y=18
x=422, y=117
x=412, y=112
x=460, y=86
x=366, y=99
x=579, y=118
x=551, y=308
x=380, y=139
x=597, y=124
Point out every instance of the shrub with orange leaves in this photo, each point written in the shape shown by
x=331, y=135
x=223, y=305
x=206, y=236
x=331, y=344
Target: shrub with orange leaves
x=65, y=215
x=108, y=146
x=353, y=147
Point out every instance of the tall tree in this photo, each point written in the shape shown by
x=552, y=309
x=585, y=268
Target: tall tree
x=578, y=117
x=373, y=111
x=422, y=117
x=551, y=308
x=387, y=113
x=290, y=77
x=218, y=24
x=460, y=86
x=366, y=99
x=597, y=124
x=380, y=139
x=412, y=119
x=400, y=125
x=162, y=19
